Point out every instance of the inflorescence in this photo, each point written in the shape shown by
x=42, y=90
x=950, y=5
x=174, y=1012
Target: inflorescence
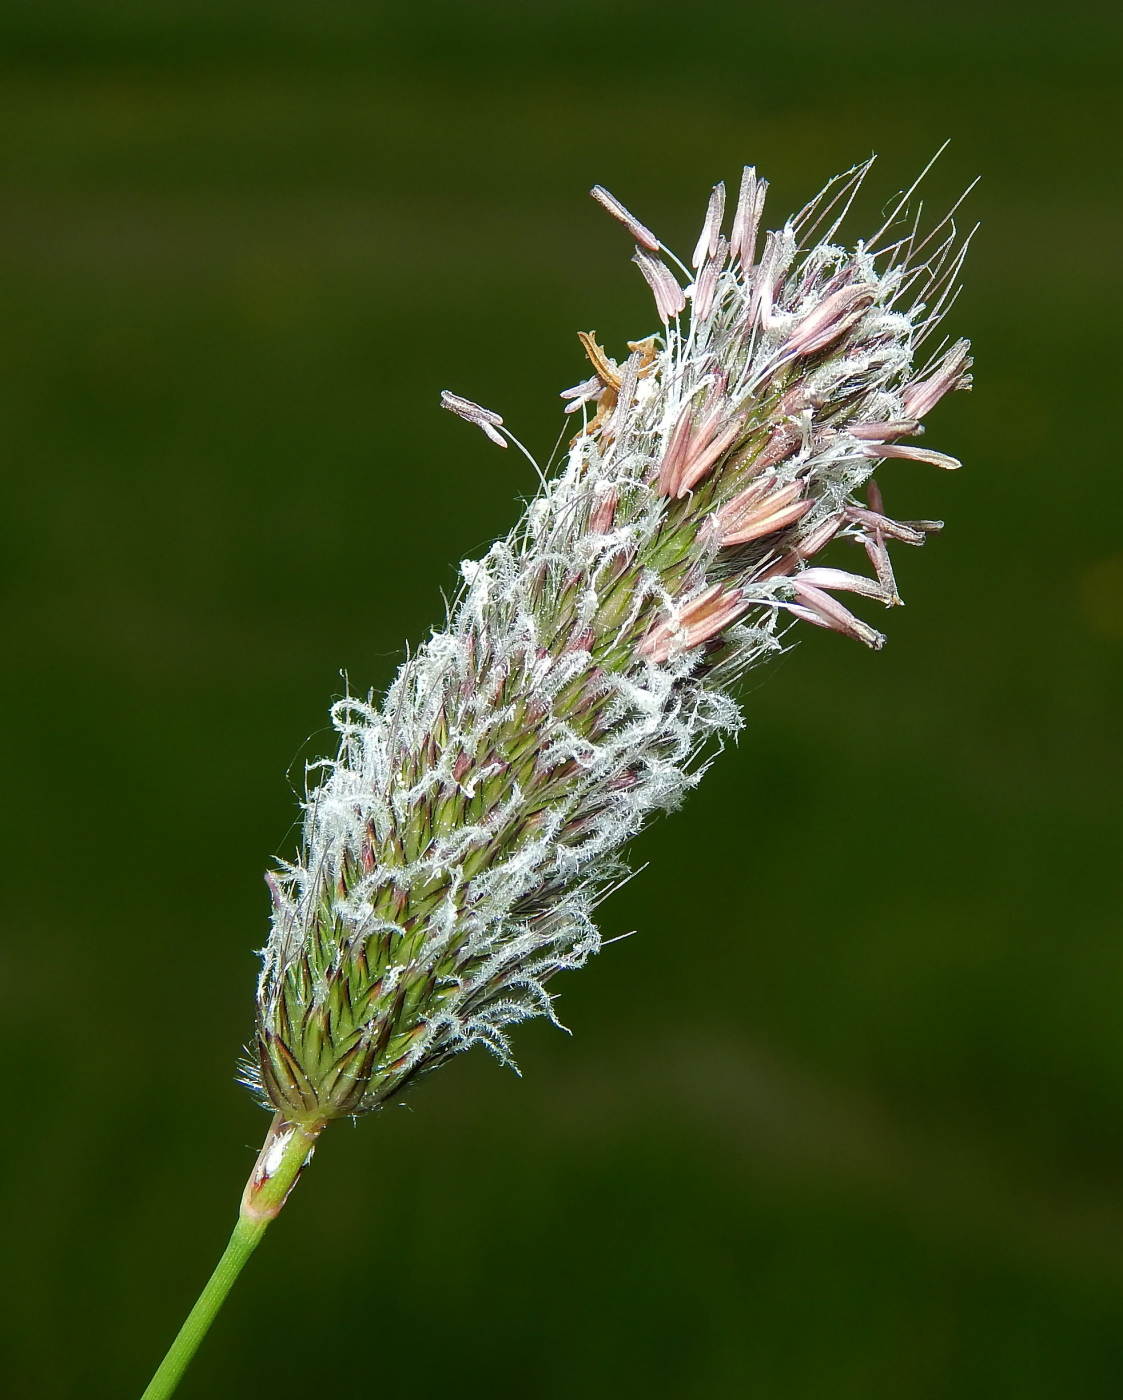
x=455, y=849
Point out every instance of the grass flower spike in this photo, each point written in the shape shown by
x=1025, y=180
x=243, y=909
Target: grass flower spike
x=457, y=845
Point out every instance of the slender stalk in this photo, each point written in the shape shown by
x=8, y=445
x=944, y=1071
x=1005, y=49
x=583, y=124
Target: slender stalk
x=242, y=1244
x=283, y=1156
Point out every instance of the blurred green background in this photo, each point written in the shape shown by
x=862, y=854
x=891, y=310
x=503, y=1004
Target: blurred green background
x=846, y=1118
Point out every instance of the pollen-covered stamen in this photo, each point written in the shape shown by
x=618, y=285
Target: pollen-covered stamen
x=813, y=605
x=913, y=454
x=778, y=249
x=819, y=537
x=711, y=229
x=882, y=432
x=640, y=232
x=907, y=532
x=746, y=220
x=805, y=548
x=684, y=448
x=472, y=413
x=582, y=393
x=276, y=897
x=820, y=577
x=705, y=287
x=878, y=555
x=669, y=297
x=699, y=621
x=757, y=526
x=701, y=455
x=671, y=465
x=797, y=399
x=730, y=515
x=784, y=440
x=832, y=318
x=873, y=541
x=759, y=511
x=922, y=395
x=603, y=511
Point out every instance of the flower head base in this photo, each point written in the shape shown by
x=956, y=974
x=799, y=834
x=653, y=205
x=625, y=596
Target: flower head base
x=457, y=846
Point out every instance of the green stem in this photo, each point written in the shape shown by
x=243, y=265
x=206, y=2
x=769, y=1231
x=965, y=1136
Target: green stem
x=282, y=1158
x=242, y=1244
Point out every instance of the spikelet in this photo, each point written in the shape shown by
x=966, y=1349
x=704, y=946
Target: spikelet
x=457, y=845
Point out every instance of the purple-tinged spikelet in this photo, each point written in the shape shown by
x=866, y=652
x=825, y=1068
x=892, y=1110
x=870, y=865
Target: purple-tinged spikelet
x=456, y=848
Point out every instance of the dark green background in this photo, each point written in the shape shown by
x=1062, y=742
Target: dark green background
x=845, y=1119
